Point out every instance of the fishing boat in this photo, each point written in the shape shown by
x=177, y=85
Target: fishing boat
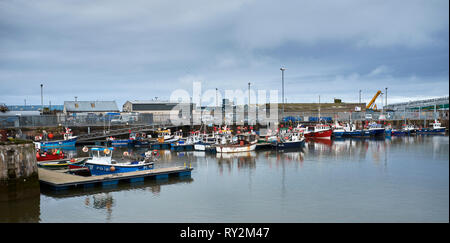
x=102, y=163
x=206, y=143
x=374, y=130
x=56, y=154
x=68, y=141
x=62, y=164
x=292, y=140
x=115, y=142
x=396, y=132
x=409, y=129
x=351, y=131
x=242, y=143
x=435, y=129
x=338, y=130
x=318, y=131
x=140, y=140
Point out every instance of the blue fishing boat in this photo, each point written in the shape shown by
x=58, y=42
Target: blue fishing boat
x=396, y=132
x=374, y=130
x=293, y=140
x=59, y=143
x=120, y=142
x=140, y=140
x=435, y=129
x=102, y=163
x=68, y=141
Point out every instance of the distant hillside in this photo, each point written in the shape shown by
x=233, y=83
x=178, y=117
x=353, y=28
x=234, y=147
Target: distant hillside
x=325, y=107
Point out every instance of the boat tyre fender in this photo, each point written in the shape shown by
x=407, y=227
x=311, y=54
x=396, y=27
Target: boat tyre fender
x=85, y=149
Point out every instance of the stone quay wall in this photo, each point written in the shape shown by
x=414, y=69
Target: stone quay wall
x=17, y=161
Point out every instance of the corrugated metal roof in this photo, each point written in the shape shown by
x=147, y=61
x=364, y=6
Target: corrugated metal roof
x=90, y=106
x=153, y=102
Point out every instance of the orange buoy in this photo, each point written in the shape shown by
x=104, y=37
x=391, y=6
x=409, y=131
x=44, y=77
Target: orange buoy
x=72, y=160
x=112, y=168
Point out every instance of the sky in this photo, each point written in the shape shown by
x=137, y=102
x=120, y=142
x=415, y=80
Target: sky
x=139, y=50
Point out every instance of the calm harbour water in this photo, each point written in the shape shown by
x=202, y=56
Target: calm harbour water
x=402, y=179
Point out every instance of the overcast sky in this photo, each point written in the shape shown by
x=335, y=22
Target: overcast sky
x=138, y=50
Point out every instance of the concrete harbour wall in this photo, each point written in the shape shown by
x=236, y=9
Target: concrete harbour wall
x=18, y=172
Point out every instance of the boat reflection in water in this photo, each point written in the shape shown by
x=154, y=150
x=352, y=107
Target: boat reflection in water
x=102, y=198
x=242, y=160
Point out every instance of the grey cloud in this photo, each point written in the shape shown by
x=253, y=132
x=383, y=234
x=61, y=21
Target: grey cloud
x=139, y=50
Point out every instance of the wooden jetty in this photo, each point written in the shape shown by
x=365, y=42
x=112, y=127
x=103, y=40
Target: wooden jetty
x=60, y=180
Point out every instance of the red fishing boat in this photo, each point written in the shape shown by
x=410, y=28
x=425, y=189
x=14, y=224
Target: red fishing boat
x=318, y=131
x=55, y=154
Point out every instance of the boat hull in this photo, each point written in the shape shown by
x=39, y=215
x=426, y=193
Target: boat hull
x=284, y=145
x=103, y=169
x=50, y=157
x=202, y=146
x=121, y=143
x=141, y=143
x=58, y=164
x=374, y=132
x=235, y=149
x=59, y=143
x=432, y=131
x=354, y=134
x=399, y=133
x=322, y=134
x=338, y=134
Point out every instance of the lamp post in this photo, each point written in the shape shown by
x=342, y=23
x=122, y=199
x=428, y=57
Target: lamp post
x=282, y=87
x=248, y=106
x=249, y=93
x=42, y=98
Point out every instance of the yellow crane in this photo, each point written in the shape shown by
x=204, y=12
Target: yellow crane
x=372, y=104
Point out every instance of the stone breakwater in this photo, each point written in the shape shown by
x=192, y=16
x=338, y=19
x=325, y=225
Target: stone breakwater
x=17, y=161
x=18, y=171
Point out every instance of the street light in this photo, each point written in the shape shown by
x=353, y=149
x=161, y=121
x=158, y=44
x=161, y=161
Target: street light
x=282, y=86
x=42, y=97
x=248, y=93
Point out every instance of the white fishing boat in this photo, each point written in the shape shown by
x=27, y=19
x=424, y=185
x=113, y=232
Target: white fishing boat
x=410, y=128
x=243, y=143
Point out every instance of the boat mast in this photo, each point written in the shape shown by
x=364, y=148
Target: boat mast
x=319, y=109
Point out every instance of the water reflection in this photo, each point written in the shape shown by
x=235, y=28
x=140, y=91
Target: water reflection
x=151, y=185
x=317, y=177
x=102, y=198
x=20, y=211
